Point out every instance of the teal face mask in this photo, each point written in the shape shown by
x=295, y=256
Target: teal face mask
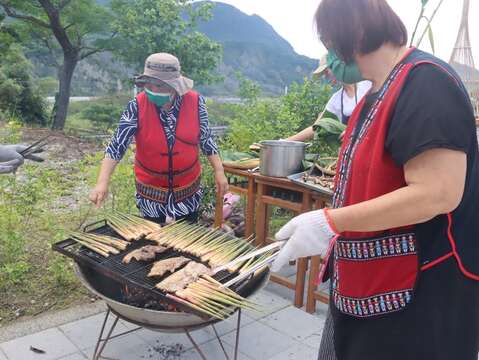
x=346, y=73
x=158, y=99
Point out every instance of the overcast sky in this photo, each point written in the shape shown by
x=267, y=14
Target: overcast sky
x=293, y=20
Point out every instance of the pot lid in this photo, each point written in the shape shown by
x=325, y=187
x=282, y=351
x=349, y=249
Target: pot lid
x=284, y=143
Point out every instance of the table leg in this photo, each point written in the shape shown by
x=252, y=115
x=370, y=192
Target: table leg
x=302, y=268
x=219, y=211
x=250, y=205
x=319, y=204
x=261, y=220
x=302, y=263
x=313, y=276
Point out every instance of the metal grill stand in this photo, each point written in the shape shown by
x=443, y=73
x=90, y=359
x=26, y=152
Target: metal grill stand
x=102, y=341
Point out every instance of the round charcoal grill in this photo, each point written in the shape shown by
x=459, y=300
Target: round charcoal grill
x=110, y=291
x=109, y=279
x=162, y=321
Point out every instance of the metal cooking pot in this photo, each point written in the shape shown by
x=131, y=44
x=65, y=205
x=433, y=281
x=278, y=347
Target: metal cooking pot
x=281, y=158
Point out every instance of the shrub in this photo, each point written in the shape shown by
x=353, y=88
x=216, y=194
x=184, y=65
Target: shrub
x=18, y=95
x=103, y=116
x=263, y=119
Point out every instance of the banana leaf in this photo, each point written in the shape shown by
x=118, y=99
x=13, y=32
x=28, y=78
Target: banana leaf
x=230, y=155
x=329, y=126
x=323, y=162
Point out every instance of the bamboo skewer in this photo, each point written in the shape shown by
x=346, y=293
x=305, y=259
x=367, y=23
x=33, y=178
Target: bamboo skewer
x=93, y=248
x=207, y=296
x=222, y=251
x=194, y=306
x=131, y=227
x=204, y=302
x=211, y=246
x=221, y=297
x=106, y=240
x=98, y=245
x=251, y=255
x=105, y=243
x=251, y=270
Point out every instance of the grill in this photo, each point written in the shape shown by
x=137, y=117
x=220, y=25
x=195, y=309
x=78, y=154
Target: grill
x=108, y=277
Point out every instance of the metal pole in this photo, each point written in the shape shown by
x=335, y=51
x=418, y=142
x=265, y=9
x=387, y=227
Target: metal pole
x=197, y=348
x=238, y=326
x=95, y=357
x=106, y=340
x=221, y=343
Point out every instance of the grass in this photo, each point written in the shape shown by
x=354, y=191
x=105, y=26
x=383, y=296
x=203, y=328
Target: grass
x=39, y=206
x=32, y=277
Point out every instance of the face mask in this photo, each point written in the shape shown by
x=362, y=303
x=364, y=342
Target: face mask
x=158, y=99
x=346, y=73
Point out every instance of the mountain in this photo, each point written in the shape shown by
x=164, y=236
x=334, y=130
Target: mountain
x=254, y=48
x=229, y=24
x=250, y=46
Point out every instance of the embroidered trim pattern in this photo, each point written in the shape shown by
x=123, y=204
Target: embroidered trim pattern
x=344, y=167
x=374, y=305
x=161, y=194
x=390, y=246
x=372, y=249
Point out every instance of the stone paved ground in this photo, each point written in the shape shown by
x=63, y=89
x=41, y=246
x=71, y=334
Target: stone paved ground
x=280, y=332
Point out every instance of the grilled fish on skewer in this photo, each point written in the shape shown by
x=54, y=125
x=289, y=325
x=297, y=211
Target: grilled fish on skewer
x=162, y=267
x=182, y=278
x=144, y=253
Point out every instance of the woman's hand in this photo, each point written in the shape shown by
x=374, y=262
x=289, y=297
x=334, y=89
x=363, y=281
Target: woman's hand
x=100, y=191
x=221, y=182
x=99, y=194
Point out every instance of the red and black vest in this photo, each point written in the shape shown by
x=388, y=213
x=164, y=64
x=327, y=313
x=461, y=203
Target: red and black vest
x=375, y=273
x=160, y=170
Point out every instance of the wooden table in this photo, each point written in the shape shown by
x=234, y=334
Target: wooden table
x=263, y=191
x=248, y=191
x=302, y=200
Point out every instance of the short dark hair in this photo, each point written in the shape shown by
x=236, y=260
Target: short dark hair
x=358, y=26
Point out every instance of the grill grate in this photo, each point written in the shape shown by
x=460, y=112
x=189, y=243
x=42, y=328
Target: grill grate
x=135, y=273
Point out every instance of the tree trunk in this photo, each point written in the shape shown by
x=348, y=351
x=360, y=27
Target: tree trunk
x=61, y=103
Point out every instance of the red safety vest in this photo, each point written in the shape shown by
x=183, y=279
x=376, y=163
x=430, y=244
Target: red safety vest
x=159, y=169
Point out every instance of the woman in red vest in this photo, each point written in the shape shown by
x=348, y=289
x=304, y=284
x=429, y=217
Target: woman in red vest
x=403, y=231
x=169, y=122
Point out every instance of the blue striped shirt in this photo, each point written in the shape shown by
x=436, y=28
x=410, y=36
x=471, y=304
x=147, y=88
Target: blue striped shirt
x=124, y=135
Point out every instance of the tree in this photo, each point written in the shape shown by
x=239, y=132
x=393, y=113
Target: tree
x=77, y=28
x=144, y=27
x=7, y=35
x=307, y=100
x=248, y=89
x=18, y=96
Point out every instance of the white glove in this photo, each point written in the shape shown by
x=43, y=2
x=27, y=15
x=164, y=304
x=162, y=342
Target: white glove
x=11, y=159
x=309, y=234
